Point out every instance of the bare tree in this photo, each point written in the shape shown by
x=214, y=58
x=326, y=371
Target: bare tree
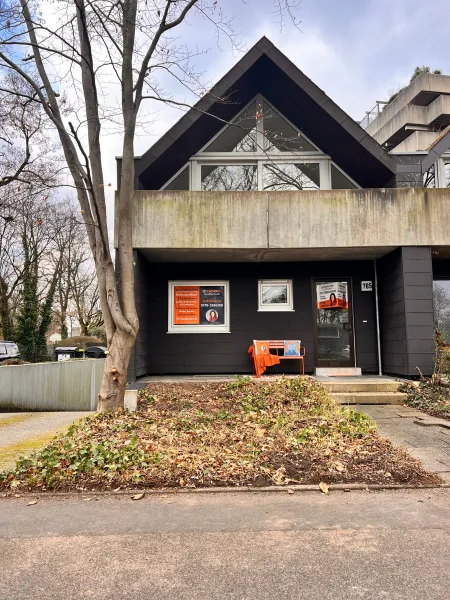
x=94, y=40
x=28, y=156
x=85, y=297
x=26, y=237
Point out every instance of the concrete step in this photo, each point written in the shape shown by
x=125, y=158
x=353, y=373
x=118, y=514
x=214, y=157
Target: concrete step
x=360, y=386
x=337, y=371
x=369, y=397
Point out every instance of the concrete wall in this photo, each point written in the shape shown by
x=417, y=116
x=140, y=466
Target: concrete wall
x=418, y=141
x=306, y=219
x=72, y=385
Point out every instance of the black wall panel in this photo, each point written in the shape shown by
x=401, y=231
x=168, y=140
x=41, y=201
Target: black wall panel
x=406, y=311
x=160, y=352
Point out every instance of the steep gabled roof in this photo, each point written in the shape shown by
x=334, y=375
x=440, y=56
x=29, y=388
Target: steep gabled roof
x=264, y=69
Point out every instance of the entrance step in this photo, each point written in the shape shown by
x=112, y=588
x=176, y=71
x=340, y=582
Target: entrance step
x=338, y=371
x=360, y=386
x=364, y=390
x=369, y=397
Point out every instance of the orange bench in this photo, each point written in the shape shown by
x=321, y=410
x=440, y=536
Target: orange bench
x=279, y=345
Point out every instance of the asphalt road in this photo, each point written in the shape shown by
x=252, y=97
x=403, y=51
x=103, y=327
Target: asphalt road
x=369, y=545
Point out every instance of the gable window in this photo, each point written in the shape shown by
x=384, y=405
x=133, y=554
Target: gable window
x=223, y=178
x=260, y=150
x=291, y=176
x=179, y=182
x=275, y=295
x=238, y=137
x=279, y=135
x=340, y=181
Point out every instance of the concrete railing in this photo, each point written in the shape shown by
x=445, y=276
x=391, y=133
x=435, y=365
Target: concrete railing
x=72, y=385
x=326, y=219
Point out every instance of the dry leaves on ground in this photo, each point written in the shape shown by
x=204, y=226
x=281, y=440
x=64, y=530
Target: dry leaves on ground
x=245, y=432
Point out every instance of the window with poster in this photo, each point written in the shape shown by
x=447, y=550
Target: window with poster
x=199, y=307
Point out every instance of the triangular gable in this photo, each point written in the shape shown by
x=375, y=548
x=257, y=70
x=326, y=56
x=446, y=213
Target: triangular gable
x=265, y=70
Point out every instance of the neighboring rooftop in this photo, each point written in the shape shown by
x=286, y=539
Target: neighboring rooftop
x=421, y=112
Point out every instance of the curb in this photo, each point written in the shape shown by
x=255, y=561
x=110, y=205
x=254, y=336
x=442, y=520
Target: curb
x=338, y=487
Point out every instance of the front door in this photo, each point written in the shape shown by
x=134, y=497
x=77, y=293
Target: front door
x=333, y=320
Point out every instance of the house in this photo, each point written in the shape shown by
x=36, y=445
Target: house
x=266, y=212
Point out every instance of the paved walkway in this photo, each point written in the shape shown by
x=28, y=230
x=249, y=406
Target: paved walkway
x=426, y=438
x=252, y=546
x=21, y=433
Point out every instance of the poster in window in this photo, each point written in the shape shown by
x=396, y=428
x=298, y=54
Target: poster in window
x=332, y=295
x=198, y=305
x=186, y=305
x=212, y=305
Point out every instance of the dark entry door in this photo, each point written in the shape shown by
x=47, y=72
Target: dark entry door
x=333, y=323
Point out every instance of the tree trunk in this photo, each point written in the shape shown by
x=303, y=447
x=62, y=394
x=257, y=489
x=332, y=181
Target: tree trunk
x=5, y=315
x=114, y=380
x=120, y=344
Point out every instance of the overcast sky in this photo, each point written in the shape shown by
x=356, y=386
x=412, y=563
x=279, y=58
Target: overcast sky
x=357, y=51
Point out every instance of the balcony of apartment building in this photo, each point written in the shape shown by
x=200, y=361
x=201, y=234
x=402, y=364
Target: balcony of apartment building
x=419, y=112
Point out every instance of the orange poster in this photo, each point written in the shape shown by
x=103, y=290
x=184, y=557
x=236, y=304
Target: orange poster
x=332, y=295
x=261, y=347
x=186, y=303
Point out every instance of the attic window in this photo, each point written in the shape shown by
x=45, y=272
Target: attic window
x=289, y=176
x=238, y=137
x=179, y=182
x=280, y=135
x=226, y=178
x=339, y=181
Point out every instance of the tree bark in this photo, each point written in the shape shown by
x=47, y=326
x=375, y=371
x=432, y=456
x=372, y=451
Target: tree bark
x=5, y=315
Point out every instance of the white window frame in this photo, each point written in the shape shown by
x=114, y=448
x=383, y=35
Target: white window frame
x=258, y=158
x=225, y=328
x=288, y=307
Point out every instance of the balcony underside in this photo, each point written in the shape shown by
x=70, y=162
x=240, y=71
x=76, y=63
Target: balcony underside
x=180, y=255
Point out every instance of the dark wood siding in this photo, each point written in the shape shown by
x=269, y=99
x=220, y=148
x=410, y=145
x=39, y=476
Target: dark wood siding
x=160, y=352
x=406, y=311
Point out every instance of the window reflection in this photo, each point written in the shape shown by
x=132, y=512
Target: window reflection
x=339, y=181
x=224, y=178
x=280, y=135
x=447, y=174
x=429, y=179
x=332, y=324
x=291, y=176
x=239, y=136
x=274, y=294
x=181, y=181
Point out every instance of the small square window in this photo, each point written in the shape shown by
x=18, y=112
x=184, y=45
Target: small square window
x=275, y=295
